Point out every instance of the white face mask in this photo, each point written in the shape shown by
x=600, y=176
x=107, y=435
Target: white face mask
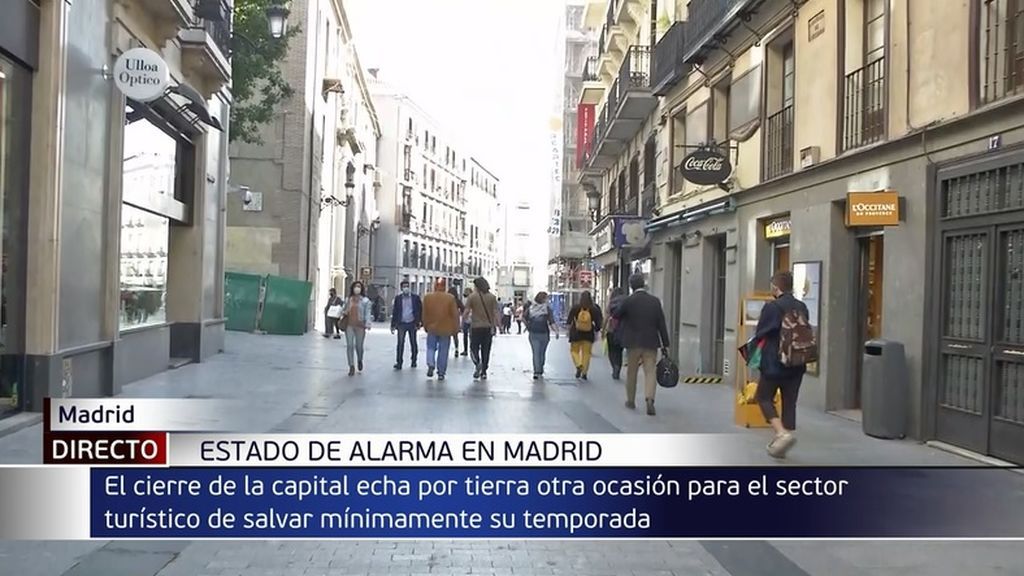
x=357, y=290
x=405, y=290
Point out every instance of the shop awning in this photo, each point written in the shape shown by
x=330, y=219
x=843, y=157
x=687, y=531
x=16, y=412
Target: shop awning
x=720, y=206
x=181, y=106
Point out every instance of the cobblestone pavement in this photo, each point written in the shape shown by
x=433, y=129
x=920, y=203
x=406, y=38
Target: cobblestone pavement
x=281, y=376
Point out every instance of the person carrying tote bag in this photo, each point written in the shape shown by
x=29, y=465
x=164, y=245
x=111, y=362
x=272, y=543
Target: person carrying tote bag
x=332, y=313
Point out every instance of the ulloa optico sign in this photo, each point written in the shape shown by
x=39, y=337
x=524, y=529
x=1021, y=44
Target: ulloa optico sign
x=141, y=74
x=706, y=167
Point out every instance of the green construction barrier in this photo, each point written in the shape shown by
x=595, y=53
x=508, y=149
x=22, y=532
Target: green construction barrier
x=241, y=300
x=285, y=306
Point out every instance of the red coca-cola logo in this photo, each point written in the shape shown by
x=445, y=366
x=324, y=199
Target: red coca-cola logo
x=706, y=167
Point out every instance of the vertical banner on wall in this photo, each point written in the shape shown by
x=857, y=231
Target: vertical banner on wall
x=584, y=132
x=555, y=226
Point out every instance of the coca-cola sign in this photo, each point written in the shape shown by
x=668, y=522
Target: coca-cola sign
x=706, y=167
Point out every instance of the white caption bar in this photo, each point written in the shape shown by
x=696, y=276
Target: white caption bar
x=146, y=415
x=44, y=503
x=418, y=450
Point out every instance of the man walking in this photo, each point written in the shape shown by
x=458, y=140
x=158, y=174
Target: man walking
x=642, y=331
x=406, y=319
x=441, y=321
x=485, y=318
x=787, y=346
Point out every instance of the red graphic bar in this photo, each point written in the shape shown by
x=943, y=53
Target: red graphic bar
x=120, y=448
x=584, y=132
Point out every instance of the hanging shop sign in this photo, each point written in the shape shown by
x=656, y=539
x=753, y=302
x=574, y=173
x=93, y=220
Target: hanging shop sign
x=778, y=228
x=141, y=74
x=584, y=132
x=872, y=209
x=706, y=167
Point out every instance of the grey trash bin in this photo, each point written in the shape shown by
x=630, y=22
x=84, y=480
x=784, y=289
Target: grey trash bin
x=884, y=389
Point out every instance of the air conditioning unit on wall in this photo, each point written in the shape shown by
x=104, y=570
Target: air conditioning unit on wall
x=810, y=156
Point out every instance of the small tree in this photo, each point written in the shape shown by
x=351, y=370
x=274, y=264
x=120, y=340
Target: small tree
x=257, y=83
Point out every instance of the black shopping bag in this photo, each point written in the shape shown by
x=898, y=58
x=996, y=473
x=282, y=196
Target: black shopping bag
x=668, y=373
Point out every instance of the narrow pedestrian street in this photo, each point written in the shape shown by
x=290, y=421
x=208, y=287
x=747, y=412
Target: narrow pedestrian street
x=301, y=385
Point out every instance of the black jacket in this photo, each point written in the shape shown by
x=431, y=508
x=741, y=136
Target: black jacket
x=596, y=321
x=417, y=310
x=642, y=322
x=769, y=326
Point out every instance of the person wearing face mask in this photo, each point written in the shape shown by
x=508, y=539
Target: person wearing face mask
x=406, y=319
x=355, y=317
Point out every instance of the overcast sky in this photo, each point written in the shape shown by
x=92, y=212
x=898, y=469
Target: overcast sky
x=487, y=69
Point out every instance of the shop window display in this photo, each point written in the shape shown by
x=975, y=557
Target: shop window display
x=144, y=240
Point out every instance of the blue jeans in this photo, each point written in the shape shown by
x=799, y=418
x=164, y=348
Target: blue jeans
x=437, y=352
x=539, y=345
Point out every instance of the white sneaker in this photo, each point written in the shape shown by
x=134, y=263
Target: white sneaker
x=781, y=445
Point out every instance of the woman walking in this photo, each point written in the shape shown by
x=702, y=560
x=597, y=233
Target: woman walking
x=486, y=318
x=355, y=317
x=332, y=314
x=585, y=320
x=611, y=335
x=540, y=323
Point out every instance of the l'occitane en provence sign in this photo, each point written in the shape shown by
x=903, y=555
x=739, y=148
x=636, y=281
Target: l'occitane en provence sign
x=872, y=209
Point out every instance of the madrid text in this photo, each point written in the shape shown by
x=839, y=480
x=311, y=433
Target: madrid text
x=244, y=451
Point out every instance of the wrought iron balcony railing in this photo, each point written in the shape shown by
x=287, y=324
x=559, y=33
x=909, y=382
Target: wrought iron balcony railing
x=864, y=106
x=635, y=71
x=216, y=20
x=590, y=70
x=669, y=66
x=778, y=144
x=705, y=20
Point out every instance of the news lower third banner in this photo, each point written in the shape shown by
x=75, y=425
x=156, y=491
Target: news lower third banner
x=192, y=475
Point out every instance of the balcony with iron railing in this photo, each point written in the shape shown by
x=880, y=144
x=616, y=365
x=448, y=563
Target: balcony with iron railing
x=669, y=66
x=708, y=20
x=206, y=43
x=864, y=106
x=629, y=104
x=1000, y=43
x=778, y=144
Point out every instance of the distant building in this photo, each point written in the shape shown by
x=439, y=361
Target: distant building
x=437, y=203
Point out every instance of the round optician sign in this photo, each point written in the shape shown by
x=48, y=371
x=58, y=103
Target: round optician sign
x=706, y=167
x=141, y=74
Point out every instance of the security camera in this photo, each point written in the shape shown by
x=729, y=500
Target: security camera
x=246, y=196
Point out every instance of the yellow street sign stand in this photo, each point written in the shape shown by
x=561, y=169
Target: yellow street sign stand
x=747, y=412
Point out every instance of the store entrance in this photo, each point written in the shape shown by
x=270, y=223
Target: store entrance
x=869, y=303
x=718, y=304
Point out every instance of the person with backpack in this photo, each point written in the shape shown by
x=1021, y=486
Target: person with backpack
x=540, y=323
x=786, y=339
x=585, y=320
x=611, y=335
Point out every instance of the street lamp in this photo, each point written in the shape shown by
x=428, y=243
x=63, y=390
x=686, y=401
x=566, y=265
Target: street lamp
x=277, y=26
x=277, y=19
x=593, y=201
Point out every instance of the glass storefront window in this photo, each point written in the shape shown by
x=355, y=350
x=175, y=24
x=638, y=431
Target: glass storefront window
x=144, y=245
